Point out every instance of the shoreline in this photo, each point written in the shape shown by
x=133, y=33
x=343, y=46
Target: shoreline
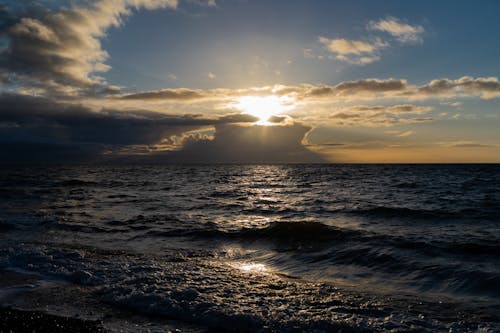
x=16, y=320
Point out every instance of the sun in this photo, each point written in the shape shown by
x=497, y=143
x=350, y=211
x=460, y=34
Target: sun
x=264, y=107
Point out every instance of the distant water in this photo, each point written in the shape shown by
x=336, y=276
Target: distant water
x=264, y=247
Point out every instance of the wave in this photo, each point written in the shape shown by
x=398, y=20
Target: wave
x=474, y=249
x=416, y=261
x=407, y=185
x=275, y=232
x=76, y=182
x=488, y=212
x=313, y=233
x=298, y=231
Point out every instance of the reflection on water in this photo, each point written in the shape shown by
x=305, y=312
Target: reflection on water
x=182, y=240
x=252, y=267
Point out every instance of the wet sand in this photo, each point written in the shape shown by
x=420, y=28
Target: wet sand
x=30, y=304
x=17, y=320
x=13, y=320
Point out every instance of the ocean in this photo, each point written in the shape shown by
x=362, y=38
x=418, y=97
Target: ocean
x=255, y=248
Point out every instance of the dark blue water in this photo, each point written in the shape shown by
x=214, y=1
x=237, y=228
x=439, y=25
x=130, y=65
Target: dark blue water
x=248, y=247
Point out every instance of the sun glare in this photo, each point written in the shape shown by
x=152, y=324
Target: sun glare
x=264, y=107
x=253, y=268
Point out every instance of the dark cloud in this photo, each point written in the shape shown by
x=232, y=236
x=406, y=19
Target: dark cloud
x=350, y=87
x=372, y=85
x=35, y=120
x=235, y=118
x=40, y=130
x=277, y=119
x=4, y=78
x=248, y=144
x=391, y=109
x=49, y=153
x=77, y=123
x=166, y=94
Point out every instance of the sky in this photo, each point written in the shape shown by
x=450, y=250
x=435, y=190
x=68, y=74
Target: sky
x=249, y=81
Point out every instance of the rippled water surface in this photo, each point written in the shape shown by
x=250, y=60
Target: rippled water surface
x=271, y=248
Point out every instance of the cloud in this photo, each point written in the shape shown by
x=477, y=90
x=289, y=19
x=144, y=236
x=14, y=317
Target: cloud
x=465, y=144
x=405, y=134
x=225, y=98
x=278, y=119
x=400, y=134
x=452, y=104
x=4, y=78
x=372, y=120
x=367, y=50
x=346, y=46
x=47, y=120
x=248, y=144
x=370, y=89
x=35, y=121
x=158, y=120
x=49, y=153
x=211, y=76
x=182, y=94
x=354, y=51
x=392, y=109
x=60, y=51
x=365, y=60
x=485, y=87
x=368, y=115
x=36, y=129
x=371, y=85
x=404, y=32
x=194, y=95
x=126, y=124
x=375, y=89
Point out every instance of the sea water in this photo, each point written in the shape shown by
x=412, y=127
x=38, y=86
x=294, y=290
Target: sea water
x=261, y=247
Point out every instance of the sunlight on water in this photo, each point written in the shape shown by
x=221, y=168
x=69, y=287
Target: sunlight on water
x=252, y=267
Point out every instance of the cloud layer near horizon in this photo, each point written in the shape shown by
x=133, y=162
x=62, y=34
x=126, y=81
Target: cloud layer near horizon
x=36, y=129
x=142, y=121
x=366, y=89
x=39, y=121
x=234, y=143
